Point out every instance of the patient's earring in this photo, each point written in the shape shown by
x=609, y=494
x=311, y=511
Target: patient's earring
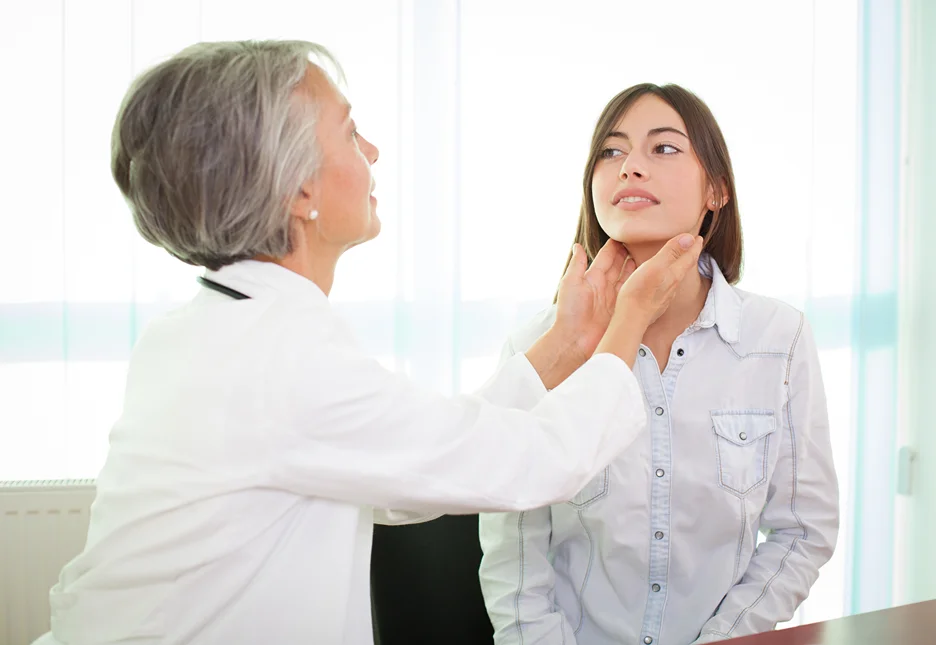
x=313, y=214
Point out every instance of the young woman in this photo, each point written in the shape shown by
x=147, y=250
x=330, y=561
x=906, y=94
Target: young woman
x=662, y=547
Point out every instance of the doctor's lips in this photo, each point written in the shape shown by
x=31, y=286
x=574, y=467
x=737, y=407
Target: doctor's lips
x=633, y=199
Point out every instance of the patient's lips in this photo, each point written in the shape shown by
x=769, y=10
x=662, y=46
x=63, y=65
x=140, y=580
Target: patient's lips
x=633, y=199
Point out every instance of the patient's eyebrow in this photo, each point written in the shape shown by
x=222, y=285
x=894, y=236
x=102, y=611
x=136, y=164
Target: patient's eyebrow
x=614, y=134
x=665, y=129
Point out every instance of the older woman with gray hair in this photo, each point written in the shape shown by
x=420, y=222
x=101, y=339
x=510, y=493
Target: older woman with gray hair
x=257, y=445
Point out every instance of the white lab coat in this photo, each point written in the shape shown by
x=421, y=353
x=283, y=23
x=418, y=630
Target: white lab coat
x=238, y=498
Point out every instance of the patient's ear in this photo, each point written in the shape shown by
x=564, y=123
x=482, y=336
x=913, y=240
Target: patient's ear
x=717, y=198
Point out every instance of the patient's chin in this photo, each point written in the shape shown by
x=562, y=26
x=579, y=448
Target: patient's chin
x=633, y=233
x=642, y=241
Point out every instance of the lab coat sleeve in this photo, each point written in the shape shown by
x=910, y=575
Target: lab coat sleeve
x=801, y=516
x=390, y=517
x=352, y=431
x=517, y=579
x=514, y=386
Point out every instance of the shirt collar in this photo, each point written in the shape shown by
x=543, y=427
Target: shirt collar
x=722, y=304
x=264, y=279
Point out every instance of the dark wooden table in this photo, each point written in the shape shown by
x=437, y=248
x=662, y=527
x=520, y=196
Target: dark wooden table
x=907, y=625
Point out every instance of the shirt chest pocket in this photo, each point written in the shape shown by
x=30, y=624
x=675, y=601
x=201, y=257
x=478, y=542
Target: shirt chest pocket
x=593, y=491
x=742, y=447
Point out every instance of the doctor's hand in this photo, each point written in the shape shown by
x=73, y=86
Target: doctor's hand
x=647, y=293
x=585, y=304
x=588, y=295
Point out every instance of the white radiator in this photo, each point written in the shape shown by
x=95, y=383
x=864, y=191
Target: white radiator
x=43, y=525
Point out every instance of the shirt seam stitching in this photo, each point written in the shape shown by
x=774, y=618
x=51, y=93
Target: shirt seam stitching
x=793, y=487
x=520, y=582
x=591, y=560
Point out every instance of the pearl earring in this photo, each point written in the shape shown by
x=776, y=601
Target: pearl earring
x=313, y=214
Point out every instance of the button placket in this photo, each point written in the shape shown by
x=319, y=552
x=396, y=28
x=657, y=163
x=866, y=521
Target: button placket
x=658, y=386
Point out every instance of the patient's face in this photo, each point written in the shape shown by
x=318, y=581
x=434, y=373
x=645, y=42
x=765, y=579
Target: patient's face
x=648, y=184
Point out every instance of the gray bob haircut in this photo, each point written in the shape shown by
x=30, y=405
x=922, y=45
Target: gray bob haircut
x=211, y=147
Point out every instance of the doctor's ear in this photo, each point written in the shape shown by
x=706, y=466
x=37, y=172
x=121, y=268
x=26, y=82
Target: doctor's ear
x=303, y=207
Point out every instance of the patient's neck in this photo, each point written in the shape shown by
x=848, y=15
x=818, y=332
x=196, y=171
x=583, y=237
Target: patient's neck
x=690, y=296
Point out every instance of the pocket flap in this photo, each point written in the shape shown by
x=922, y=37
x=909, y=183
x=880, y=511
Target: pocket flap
x=743, y=428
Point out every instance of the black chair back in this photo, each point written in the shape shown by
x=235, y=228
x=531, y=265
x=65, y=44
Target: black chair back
x=424, y=584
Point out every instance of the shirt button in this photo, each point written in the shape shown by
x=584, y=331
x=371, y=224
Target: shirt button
x=659, y=412
x=658, y=535
x=648, y=640
x=656, y=587
x=743, y=436
x=643, y=352
x=680, y=352
x=660, y=472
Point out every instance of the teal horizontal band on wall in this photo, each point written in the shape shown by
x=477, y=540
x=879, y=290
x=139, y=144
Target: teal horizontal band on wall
x=104, y=331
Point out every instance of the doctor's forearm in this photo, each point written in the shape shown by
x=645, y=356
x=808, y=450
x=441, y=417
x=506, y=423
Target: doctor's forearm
x=554, y=357
x=624, y=336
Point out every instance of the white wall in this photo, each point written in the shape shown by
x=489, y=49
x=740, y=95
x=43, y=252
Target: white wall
x=918, y=312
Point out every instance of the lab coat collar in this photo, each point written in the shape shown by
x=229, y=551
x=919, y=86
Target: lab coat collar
x=265, y=279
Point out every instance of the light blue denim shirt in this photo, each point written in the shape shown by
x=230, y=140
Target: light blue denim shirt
x=661, y=548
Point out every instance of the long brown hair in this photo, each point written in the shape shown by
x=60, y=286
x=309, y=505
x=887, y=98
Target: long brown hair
x=721, y=228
